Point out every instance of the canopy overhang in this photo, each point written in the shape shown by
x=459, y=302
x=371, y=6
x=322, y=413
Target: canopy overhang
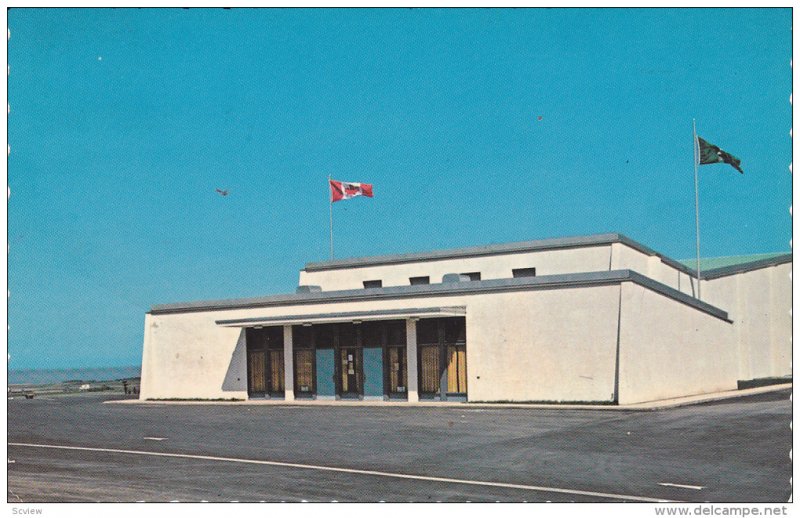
x=348, y=316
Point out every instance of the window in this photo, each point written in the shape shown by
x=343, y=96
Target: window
x=397, y=369
x=372, y=334
x=429, y=369
x=276, y=376
x=347, y=335
x=524, y=272
x=373, y=284
x=428, y=331
x=457, y=368
x=396, y=332
x=473, y=276
x=419, y=280
x=455, y=330
x=256, y=363
x=304, y=371
x=324, y=336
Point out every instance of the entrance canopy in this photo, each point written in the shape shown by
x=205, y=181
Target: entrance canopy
x=349, y=316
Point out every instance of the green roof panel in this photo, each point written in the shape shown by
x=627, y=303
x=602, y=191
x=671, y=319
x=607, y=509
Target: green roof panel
x=709, y=263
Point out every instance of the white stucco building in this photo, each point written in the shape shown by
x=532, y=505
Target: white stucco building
x=595, y=319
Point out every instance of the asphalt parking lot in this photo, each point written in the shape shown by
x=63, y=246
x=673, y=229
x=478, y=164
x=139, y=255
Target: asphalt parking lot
x=729, y=451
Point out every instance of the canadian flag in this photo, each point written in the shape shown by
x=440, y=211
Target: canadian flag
x=347, y=190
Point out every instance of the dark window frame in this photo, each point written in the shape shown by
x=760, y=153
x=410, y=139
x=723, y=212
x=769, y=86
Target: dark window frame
x=419, y=281
x=473, y=276
x=376, y=283
x=518, y=273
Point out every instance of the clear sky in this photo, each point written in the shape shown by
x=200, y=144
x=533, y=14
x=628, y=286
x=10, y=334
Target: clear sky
x=124, y=122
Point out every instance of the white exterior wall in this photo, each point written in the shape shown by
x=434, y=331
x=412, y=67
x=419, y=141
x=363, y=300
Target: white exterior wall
x=544, y=345
x=555, y=345
x=669, y=349
x=759, y=303
x=624, y=257
x=546, y=262
x=189, y=356
x=614, y=256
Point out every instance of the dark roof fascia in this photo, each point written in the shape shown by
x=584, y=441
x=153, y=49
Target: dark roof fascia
x=625, y=240
x=433, y=290
x=725, y=271
x=393, y=292
x=499, y=249
x=347, y=315
x=679, y=296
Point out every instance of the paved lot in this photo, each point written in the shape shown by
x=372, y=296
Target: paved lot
x=737, y=450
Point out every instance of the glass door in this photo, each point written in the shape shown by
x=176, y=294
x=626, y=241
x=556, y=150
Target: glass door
x=350, y=365
x=456, y=369
x=304, y=372
x=276, y=377
x=256, y=368
x=429, y=369
x=398, y=368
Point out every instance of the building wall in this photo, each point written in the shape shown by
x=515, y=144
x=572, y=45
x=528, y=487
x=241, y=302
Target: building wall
x=624, y=257
x=669, y=349
x=555, y=346
x=614, y=256
x=546, y=262
x=759, y=303
x=189, y=356
x=543, y=345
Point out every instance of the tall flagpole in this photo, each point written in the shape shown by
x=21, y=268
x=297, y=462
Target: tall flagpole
x=330, y=201
x=696, y=202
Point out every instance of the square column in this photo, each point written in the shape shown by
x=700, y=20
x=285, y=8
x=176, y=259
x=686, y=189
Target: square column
x=411, y=359
x=288, y=364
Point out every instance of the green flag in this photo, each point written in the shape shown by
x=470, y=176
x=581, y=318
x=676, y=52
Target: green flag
x=711, y=154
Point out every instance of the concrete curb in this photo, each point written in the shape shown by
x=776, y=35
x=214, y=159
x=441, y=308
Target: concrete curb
x=647, y=406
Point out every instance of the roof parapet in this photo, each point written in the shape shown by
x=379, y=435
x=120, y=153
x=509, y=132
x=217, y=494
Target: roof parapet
x=573, y=280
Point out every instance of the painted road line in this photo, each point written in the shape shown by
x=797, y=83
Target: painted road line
x=155, y=438
x=684, y=486
x=334, y=469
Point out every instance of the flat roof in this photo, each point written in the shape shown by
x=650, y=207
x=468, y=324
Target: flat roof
x=497, y=249
x=710, y=267
x=711, y=263
x=455, y=288
x=724, y=266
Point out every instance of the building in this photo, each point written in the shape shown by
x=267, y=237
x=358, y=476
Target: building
x=595, y=319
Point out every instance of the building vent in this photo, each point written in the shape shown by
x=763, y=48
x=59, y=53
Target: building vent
x=454, y=277
x=309, y=289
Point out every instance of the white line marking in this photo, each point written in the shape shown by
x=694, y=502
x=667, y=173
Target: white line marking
x=154, y=438
x=352, y=471
x=684, y=486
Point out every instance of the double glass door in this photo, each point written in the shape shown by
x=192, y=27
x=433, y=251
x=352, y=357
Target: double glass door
x=435, y=370
x=265, y=372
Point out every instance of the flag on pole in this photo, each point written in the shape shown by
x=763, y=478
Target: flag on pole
x=711, y=154
x=347, y=190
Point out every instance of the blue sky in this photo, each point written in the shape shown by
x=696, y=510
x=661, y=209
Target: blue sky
x=123, y=123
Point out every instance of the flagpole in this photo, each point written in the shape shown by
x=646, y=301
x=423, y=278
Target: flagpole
x=330, y=202
x=696, y=203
